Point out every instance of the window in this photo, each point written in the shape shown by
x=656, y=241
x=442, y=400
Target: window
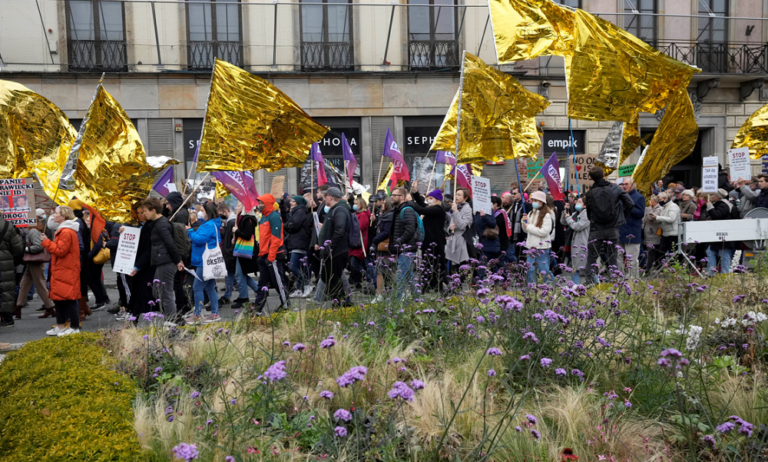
x=432, y=34
x=644, y=24
x=213, y=31
x=96, y=36
x=326, y=35
x=712, y=40
x=572, y=3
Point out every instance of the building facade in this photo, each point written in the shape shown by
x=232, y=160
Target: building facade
x=361, y=68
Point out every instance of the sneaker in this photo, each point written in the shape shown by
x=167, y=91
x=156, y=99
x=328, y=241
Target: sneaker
x=193, y=320
x=297, y=293
x=170, y=324
x=99, y=307
x=68, y=331
x=211, y=318
x=240, y=302
x=308, y=291
x=122, y=316
x=55, y=331
x=378, y=299
x=7, y=321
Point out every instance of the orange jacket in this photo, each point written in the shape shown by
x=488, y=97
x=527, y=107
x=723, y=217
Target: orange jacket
x=65, y=262
x=270, y=229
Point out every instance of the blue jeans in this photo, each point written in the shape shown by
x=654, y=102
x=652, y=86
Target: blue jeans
x=300, y=269
x=209, y=287
x=510, y=256
x=229, y=286
x=539, y=263
x=576, y=278
x=725, y=260
x=404, y=273
x=244, y=282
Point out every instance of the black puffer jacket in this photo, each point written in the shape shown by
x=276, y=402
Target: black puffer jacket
x=163, y=246
x=383, y=227
x=604, y=193
x=434, y=224
x=227, y=246
x=336, y=229
x=402, y=237
x=298, y=229
x=175, y=200
x=11, y=247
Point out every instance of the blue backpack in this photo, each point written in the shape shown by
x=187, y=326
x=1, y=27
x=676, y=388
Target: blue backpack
x=419, y=224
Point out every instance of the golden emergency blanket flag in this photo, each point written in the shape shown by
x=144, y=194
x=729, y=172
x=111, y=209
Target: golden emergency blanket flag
x=497, y=117
x=753, y=134
x=674, y=141
x=35, y=135
x=612, y=74
x=112, y=171
x=221, y=190
x=526, y=29
x=251, y=125
x=384, y=184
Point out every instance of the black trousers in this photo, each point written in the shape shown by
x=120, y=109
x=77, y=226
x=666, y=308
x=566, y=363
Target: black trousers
x=67, y=310
x=121, y=286
x=331, y=272
x=181, y=288
x=268, y=276
x=595, y=249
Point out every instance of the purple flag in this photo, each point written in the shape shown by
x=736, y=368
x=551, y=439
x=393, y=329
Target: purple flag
x=349, y=158
x=464, y=178
x=317, y=156
x=165, y=184
x=250, y=184
x=551, y=172
x=393, y=152
x=235, y=182
x=445, y=157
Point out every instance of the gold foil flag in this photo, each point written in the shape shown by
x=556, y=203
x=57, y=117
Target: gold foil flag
x=384, y=184
x=612, y=74
x=113, y=171
x=673, y=142
x=497, y=117
x=754, y=134
x=251, y=125
x=35, y=135
x=525, y=29
x=221, y=190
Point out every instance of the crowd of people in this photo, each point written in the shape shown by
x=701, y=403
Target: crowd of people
x=324, y=245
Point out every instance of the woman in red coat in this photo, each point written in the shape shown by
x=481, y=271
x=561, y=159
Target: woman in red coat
x=65, y=272
x=359, y=260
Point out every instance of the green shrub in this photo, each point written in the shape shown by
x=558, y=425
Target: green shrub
x=59, y=401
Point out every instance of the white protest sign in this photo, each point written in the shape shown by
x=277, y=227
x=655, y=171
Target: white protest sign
x=739, y=162
x=481, y=194
x=126, y=250
x=709, y=174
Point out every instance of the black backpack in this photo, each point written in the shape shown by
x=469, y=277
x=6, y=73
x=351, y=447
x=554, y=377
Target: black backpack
x=355, y=236
x=602, y=207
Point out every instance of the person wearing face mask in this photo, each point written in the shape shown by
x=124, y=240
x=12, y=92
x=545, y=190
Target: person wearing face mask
x=577, y=221
x=433, y=247
x=228, y=250
x=333, y=245
x=206, y=236
x=246, y=228
x=165, y=259
x=359, y=259
x=457, y=246
x=298, y=229
x=539, y=226
x=272, y=254
x=670, y=222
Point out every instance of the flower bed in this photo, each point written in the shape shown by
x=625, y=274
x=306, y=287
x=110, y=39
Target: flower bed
x=60, y=402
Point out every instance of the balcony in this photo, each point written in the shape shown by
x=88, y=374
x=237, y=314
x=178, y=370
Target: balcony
x=433, y=55
x=326, y=56
x=97, y=55
x=202, y=55
x=720, y=58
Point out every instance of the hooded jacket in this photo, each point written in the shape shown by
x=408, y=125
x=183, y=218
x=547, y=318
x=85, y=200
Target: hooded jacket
x=175, y=200
x=11, y=246
x=65, y=262
x=270, y=229
x=206, y=235
x=298, y=229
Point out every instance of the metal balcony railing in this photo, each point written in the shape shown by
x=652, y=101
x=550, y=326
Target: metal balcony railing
x=327, y=56
x=202, y=55
x=97, y=55
x=720, y=58
x=433, y=55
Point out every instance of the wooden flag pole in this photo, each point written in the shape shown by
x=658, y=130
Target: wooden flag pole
x=190, y=195
x=530, y=182
x=346, y=179
x=381, y=164
x=431, y=175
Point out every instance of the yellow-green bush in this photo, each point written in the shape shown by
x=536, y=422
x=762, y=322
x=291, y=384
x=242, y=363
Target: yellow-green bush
x=60, y=402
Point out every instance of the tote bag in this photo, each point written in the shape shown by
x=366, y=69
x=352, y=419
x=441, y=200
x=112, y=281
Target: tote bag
x=244, y=247
x=213, y=262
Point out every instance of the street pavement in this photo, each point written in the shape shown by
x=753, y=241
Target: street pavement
x=30, y=327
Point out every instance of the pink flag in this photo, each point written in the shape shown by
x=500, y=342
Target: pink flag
x=235, y=182
x=391, y=150
x=250, y=184
x=317, y=156
x=464, y=177
x=551, y=172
